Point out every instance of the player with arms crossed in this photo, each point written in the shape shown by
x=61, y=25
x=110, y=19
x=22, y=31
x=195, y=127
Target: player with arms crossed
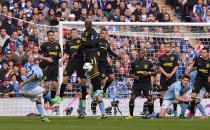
x=202, y=64
x=168, y=65
x=141, y=72
x=51, y=49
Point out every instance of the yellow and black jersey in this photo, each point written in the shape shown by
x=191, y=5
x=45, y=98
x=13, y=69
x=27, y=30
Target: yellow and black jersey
x=51, y=49
x=203, y=67
x=139, y=67
x=104, y=49
x=168, y=62
x=72, y=48
x=89, y=35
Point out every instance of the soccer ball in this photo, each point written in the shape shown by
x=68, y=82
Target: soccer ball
x=87, y=67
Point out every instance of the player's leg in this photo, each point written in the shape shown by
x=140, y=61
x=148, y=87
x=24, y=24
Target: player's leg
x=40, y=109
x=131, y=106
x=150, y=102
x=111, y=77
x=196, y=89
x=82, y=100
x=184, y=107
x=163, y=89
x=171, y=81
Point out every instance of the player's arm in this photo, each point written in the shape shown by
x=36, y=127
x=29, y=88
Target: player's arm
x=32, y=77
x=112, y=53
x=176, y=64
x=180, y=98
x=132, y=72
x=192, y=67
x=160, y=64
x=152, y=70
x=49, y=59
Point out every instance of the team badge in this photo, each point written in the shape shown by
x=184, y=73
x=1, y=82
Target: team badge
x=78, y=41
x=56, y=47
x=172, y=58
x=103, y=75
x=207, y=65
x=146, y=66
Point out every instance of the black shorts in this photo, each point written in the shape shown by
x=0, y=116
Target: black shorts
x=105, y=69
x=200, y=83
x=166, y=83
x=141, y=89
x=52, y=73
x=73, y=66
x=91, y=57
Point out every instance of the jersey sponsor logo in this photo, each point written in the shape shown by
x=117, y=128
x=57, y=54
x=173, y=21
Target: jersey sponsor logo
x=74, y=47
x=140, y=72
x=168, y=64
x=203, y=71
x=172, y=58
x=53, y=53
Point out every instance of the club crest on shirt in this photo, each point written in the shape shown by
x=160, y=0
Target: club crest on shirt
x=207, y=65
x=56, y=47
x=146, y=66
x=78, y=41
x=172, y=58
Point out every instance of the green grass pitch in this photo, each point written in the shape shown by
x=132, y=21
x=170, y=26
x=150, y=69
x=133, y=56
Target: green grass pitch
x=111, y=123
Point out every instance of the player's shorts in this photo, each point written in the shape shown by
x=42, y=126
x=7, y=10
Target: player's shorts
x=34, y=94
x=166, y=83
x=138, y=90
x=105, y=69
x=73, y=66
x=200, y=83
x=91, y=57
x=52, y=73
x=167, y=103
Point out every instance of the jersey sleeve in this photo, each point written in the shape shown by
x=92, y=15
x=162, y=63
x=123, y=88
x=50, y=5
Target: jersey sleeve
x=176, y=63
x=195, y=62
x=151, y=67
x=132, y=71
x=42, y=48
x=160, y=63
x=38, y=72
x=176, y=90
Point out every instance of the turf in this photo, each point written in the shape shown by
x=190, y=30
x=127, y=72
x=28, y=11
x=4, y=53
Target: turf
x=111, y=123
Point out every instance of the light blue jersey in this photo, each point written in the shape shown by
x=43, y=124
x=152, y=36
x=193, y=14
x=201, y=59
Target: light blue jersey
x=176, y=89
x=32, y=84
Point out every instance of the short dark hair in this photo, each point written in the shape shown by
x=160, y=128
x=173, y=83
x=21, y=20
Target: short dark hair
x=165, y=43
x=50, y=31
x=185, y=77
x=205, y=48
x=103, y=29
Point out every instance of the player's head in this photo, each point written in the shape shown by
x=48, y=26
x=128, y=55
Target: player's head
x=74, y=33
x=204, y=53
x=88, y=24
x=185, y=80
x=51, y=35
x=103, y=33
x=167, y=46
x=141, y=54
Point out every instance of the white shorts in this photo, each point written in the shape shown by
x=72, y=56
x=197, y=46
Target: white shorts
x=167, y=103
x=34, y=94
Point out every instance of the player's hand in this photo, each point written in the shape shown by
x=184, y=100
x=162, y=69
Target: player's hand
x=209, y=79
x=50, y=60
x=20, y=86
x=61, y=63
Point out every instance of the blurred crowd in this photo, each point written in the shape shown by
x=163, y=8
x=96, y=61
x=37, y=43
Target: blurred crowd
x=20, y=34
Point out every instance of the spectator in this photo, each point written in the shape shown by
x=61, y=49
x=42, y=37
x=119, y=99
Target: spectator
x=5, y=88
x=116, y=15
x=76, y=10
x=3, y=36
x=64, y=10
x=12, y=43
x=9, y=23
x=19, y=57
